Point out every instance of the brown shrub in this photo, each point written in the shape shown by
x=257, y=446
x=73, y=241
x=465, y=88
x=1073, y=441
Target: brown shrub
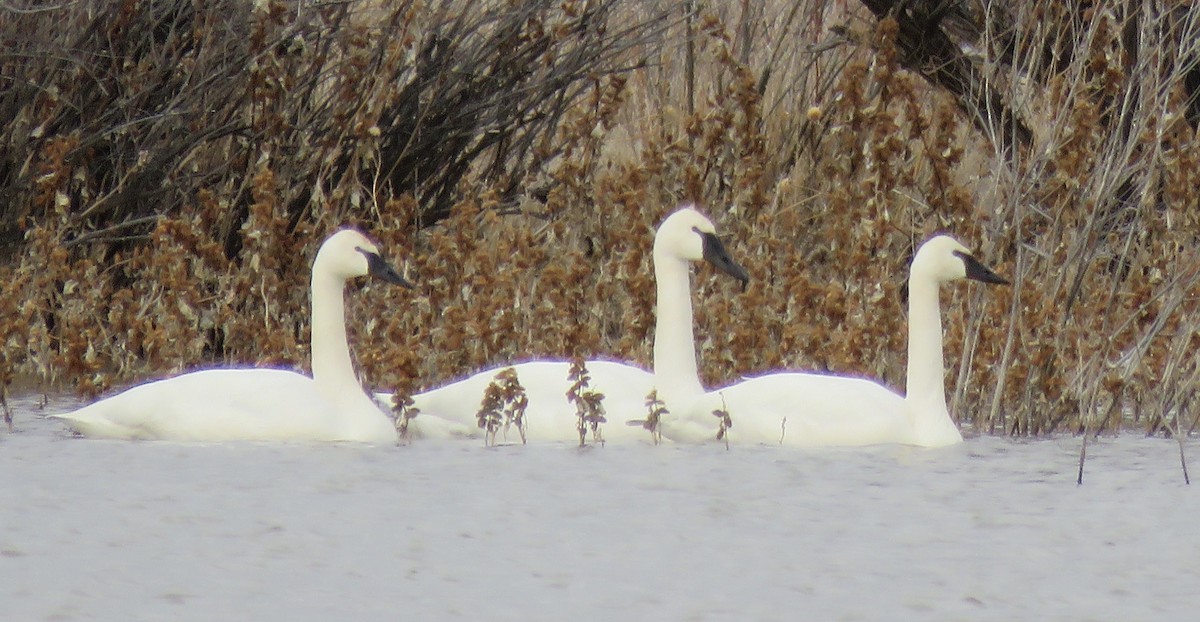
x=167, y=180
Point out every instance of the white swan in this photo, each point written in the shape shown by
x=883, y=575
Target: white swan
x=264, y=404
x=813, y=409
x=685, y=236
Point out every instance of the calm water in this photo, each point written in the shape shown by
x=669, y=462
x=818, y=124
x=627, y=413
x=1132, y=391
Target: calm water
x=989, y=530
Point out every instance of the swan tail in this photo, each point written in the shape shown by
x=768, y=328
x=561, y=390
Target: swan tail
x=84, y=424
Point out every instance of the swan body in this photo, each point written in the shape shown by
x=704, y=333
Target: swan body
x=264, y=404
x=685, y=236
x=549, y=416
x=827, y=410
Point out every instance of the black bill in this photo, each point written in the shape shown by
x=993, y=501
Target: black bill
x=382, y=270
x=976, y=271
x=715, y=254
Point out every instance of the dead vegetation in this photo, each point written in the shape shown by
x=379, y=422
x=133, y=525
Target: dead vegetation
x=655, y=409
x=169, y=167
x=503, y=406
x=589, y=403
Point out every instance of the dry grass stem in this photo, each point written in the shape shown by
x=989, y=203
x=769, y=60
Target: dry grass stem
x=169, y=168
x=655, y=409
x=589, y=403
x=724, y=422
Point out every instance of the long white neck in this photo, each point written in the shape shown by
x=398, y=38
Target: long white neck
x=925, y=393
x=331, y=366
x=675, y=372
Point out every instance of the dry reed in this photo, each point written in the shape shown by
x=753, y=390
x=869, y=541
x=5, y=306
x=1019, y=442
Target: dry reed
x=169, y=169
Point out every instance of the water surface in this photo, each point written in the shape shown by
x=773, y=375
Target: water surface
x=992, y=529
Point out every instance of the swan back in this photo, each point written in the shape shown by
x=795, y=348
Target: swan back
x=231, y=404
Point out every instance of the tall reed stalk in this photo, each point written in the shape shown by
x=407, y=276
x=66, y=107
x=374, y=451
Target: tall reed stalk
x=170, y=167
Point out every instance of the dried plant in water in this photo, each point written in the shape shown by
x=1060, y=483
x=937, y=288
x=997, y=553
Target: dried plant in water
x=515, y=401
x=403, y=412
x=490, y=415
x=503, y=406
x=8, y=417
x=656, y=408
x=589, y=404
x=724, y=422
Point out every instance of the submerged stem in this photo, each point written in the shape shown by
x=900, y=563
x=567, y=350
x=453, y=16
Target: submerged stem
x=1082, y=456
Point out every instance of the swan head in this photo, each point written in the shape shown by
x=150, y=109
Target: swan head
x=348, y=253
x=944, y=258
x=688, y=235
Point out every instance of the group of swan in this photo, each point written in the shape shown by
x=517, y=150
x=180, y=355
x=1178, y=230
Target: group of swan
x=788, y=408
